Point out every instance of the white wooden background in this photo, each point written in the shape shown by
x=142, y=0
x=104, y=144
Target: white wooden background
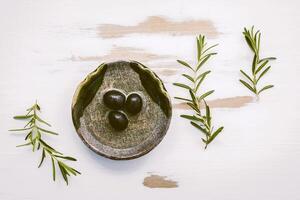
x=48, y=47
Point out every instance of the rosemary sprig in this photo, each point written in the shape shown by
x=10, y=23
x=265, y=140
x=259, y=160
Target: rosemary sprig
x=34, y=138
x=259, y=66
x=201, y=121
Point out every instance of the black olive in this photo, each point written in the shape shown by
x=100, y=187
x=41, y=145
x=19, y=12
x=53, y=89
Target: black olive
x=114, y=99
x=134, y=103
x=118, y=120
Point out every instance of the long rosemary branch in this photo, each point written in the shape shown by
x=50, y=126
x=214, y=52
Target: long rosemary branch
x=34, y=138
x=259, y=66
x=201, y=121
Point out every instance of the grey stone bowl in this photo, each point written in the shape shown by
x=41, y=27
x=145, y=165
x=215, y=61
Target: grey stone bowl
x=145, y=130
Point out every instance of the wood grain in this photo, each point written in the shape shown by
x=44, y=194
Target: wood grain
x=156, y=181
x=230, y=102
x=159, y=24
x=125, y=53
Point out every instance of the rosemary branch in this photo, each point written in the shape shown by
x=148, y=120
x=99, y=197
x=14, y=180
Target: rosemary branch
x=34, y=138
x=259, y=66
x=201, y=121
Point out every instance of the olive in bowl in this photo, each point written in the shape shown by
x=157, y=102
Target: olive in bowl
x=118, y=120
x=114, y=99
x=134, y=103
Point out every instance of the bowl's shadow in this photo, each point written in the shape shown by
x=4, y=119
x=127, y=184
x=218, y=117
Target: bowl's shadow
x=117, y=166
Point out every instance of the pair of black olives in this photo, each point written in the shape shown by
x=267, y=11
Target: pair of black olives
x=116, y=101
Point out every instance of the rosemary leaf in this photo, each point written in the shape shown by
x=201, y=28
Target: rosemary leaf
x=200, y=128
x=201, y=75
x=66, y=157
x=209, y=48
x=265, y=88
x=248, y=86
x=47, y=131
x=254, y=63
x=192, y=117
x=26, y=144
x=53, y=169
x=43, y=156
x=188, y=77
x=23, y=116
x=20, y=129
x=203, y=96
x=182, y=85
x=202, y=62
x=64, y=173
x=185, y=64
x=42, y=121
x=199, y=48
x=194, y=107
x=199, y=82
x=208, y=117
x=246, y=75
x=194, y=99
x=183, y=99
x=268, y=58
x=263, y=73
x=261, y=66
x=28, y=135
x=214, y=135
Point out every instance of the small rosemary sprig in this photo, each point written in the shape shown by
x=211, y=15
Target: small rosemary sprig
x=34, y=138
x=259, y=66
x=199, y=120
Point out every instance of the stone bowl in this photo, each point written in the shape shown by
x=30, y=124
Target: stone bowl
x=145, y=130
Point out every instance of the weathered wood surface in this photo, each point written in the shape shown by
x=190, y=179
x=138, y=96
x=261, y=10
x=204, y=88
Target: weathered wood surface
x=47, y=48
